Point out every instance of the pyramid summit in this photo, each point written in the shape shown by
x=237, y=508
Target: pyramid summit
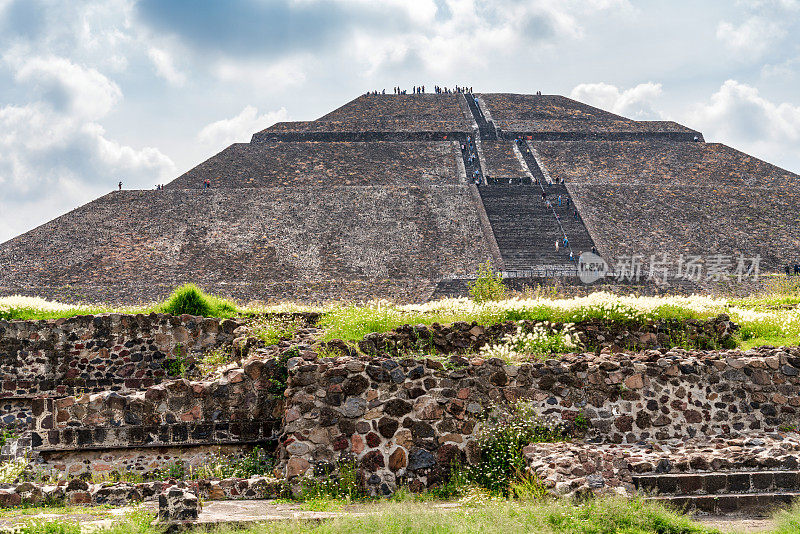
x=398, y=195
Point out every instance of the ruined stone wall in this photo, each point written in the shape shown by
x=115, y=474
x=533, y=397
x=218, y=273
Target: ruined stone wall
x=175, y=421
x=112, y=352
x=104, y=352
x=407, y=420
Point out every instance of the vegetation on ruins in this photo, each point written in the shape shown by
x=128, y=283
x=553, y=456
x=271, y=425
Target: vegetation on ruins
x=488, y=286
x=545, y=338
x=190, y=299
x=772, y=318
x=272, y=330
x=501, y=438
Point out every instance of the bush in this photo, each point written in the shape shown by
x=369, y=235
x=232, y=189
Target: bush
x=11, y=470
x=190, y=299
x=502, y=436
x=488, y=286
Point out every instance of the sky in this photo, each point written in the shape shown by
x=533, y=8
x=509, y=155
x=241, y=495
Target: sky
x=96, y=92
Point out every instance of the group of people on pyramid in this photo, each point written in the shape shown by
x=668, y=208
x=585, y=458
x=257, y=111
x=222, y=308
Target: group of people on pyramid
x=420, y=89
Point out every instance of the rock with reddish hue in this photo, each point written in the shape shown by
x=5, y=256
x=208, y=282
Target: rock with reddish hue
x=296, y=467
x=372, y=461
x=397, y=460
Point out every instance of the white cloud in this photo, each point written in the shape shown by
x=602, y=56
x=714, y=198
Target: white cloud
x=51, y=162
x=165, y=66
x=753, y=37
x=283, y=74
x=738, y=115
x=79, y=91
x=634, y=103
x=240, y=128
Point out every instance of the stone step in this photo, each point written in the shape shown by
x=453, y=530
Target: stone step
x=730, y=503
x=719, y=482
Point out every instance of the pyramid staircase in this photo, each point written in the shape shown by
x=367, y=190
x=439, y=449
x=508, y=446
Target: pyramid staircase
x=486, y=128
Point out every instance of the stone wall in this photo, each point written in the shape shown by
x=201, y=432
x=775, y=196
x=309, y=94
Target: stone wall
x=425, y=111
x=651, y=162
x=688, y=220
x=565, y=118
x=407, y=420
x=89, y=353
x=176, y=420
x=501, y=163
x=112, y=352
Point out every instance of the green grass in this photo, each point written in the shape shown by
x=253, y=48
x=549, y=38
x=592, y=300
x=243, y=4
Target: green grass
x=352, y=323
x=602, y=516
x=788, y=521
x=190, y=299
x=26, y=510
x=771, y=318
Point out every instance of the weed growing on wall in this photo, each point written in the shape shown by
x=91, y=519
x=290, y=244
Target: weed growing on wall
x=501, y=438
x=257, y=462
x=11, y=470
x=272, y=330
x=545, y=338
x=489, y=284
x=212, y=360
x=342, y=484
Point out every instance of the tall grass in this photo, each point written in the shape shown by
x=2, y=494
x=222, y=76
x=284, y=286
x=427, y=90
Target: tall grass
x=601, y=516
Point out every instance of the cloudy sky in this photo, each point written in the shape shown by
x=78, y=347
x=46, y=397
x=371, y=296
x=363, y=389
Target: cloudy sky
x=93, y=92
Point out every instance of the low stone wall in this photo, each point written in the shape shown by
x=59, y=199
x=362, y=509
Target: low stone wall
x=408, y=420
x=580, y=468
x=98, y=353
x=177, y=421
x=76, y=491
x=594, y=334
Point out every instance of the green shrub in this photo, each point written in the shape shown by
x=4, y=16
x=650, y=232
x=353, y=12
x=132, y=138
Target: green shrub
x=489, y=285
x=503, y=434
x=190, y=299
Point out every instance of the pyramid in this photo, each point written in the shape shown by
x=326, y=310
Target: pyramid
x=390, y=196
